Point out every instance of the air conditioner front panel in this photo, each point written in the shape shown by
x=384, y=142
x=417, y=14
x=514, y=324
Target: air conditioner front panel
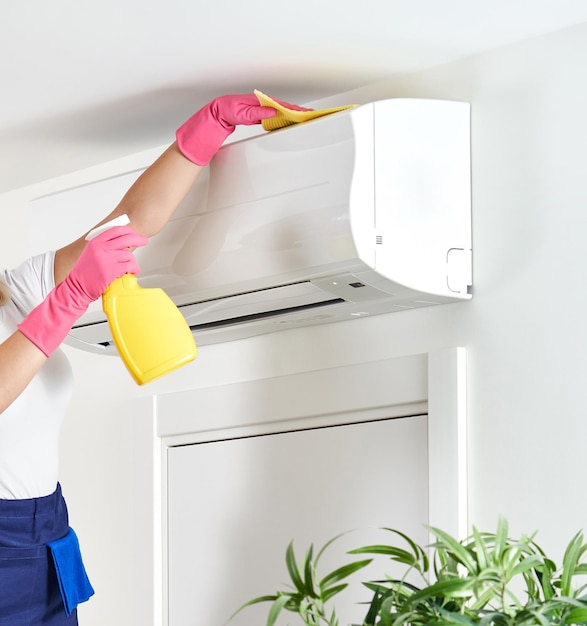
x=284, y=216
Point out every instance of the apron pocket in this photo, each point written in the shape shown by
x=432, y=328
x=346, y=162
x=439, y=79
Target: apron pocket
x=21, y=569
x=74, y=584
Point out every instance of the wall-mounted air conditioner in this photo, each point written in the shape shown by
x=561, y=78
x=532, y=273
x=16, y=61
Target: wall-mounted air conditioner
x=362, y=212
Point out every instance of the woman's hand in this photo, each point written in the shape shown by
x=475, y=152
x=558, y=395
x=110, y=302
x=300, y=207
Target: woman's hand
x=204, y=133
x=105, y=258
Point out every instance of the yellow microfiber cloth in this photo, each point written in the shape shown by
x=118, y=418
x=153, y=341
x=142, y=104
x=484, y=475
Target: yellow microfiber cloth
x=286, y=116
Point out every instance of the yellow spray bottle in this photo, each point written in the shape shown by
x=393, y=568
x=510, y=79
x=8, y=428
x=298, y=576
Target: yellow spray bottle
x=150, y=334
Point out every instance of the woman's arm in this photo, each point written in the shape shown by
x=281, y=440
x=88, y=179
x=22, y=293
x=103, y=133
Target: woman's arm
x=103, y=259
x=157, y=193
x=84, y=269
x=20, y=360
x=149, y=203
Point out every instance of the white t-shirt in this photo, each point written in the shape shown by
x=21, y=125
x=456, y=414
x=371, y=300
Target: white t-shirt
x=30, y=426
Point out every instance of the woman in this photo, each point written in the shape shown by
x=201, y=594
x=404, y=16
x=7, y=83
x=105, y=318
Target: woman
x=42, y=578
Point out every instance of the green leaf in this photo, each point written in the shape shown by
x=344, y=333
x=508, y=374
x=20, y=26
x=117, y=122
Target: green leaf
x=295, y=599
x=419, y=551
x=415, y=547
x=451, y=588
x=276, y=609
x=501, y=538
x=333, y=621
x=332, y=591
x=528, y=563
x=343, y=572
x=309, y=573
x=375, y=587
x=532, y=617
x=292, y=568
x=253, y=601
x=480, y=548
x=488, y=595
x=510, y=556
x=374, y=609
x=303, y=608
x=452, y=617
x=545, y=573
x=396, y=554
x=493, y=618
x=577, y=616
x=326, y=545
x=455, y=549
x=571, y=558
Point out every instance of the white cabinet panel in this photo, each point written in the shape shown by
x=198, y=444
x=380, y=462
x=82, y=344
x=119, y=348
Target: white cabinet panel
x=234, y=505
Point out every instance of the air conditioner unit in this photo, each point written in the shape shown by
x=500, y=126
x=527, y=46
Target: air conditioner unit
x=357, y=213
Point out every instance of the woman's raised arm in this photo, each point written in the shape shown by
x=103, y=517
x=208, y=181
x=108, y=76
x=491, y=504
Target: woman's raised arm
x=156, y=194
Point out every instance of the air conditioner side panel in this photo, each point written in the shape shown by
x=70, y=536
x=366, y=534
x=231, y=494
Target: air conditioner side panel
x=423, y=194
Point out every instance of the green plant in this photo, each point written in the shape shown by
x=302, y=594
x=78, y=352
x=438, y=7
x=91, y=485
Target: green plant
x=309, y=593
x=488, y=579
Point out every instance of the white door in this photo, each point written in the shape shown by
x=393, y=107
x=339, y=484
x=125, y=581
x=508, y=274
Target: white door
x=234, y=506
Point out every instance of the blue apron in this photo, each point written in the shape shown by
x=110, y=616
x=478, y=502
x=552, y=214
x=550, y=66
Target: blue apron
x=42, y=578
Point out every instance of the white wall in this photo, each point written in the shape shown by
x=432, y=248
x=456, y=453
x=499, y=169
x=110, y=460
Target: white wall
x=523, y=329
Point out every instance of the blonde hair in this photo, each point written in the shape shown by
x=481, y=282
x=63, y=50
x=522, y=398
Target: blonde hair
x=4, y=293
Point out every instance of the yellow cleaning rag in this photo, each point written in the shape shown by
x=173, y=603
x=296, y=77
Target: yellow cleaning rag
x=287, y=117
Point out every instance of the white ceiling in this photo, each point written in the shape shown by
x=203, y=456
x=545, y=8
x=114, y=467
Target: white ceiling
x=80, y=76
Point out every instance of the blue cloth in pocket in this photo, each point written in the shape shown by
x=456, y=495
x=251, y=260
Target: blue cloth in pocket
x=73, y=581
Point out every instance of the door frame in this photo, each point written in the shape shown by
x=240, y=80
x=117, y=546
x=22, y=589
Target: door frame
x=432, y=383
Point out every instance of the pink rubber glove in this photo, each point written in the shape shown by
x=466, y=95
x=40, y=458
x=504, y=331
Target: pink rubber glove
x=105, y=258
x=204, y=133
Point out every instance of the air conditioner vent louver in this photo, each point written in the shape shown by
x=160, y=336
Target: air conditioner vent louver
x=264, y=315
